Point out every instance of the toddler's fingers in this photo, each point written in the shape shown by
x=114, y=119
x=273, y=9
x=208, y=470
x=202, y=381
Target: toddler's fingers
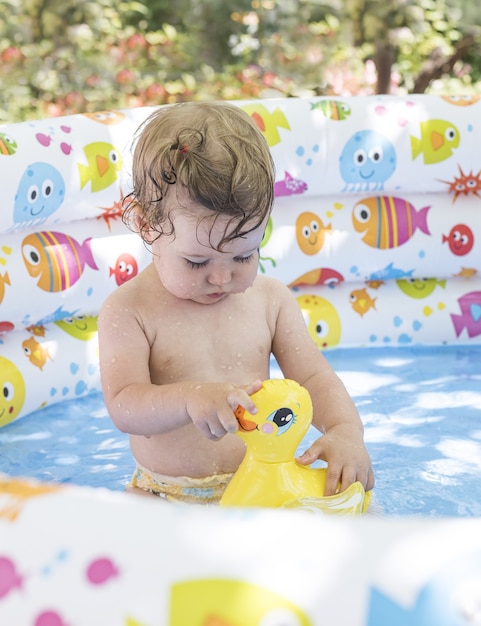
x=208, y=431
x=253, y=387
x=333, y=480
x=315, y=452
x=347, y=478
x=370, y=480
x=239, y=397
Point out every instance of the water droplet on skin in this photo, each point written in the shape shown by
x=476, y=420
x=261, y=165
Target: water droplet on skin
x=114, y=359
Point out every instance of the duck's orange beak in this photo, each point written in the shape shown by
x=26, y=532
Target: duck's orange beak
x=244, y=424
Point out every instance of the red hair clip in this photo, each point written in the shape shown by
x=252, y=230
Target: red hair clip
x=183, y=149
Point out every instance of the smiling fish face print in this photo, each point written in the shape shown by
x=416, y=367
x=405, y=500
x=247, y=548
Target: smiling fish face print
x=322, y=320
x=12, y=387
x=311, y=232
x=460, y=239
x=41, y=191
x=419, y=288
x=81, y=327
x=367, y=161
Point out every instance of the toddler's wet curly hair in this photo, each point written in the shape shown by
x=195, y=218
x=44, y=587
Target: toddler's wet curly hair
x=216, y=152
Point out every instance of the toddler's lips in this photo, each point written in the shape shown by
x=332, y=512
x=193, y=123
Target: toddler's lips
x=216, y=296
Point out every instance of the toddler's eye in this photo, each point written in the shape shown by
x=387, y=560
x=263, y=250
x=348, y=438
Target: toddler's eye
x=196, y=266
x=245, y=259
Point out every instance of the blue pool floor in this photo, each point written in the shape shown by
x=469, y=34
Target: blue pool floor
x=421, y=408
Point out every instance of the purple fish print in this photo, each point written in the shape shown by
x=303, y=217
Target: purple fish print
x=470, y=318
x=289, y=186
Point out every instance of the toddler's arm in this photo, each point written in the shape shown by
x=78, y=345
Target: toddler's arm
x=335, y=414
x=342, y=445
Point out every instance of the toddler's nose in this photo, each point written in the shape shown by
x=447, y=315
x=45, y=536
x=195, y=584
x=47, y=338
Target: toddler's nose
x=220, y=276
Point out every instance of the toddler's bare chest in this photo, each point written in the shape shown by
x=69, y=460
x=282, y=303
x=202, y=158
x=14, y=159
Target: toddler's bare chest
x=227, y=345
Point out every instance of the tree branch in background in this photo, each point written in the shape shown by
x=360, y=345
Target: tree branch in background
x=439, y=65
x=383, y=60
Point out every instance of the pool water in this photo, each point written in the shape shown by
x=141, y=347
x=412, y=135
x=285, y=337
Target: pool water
x=421, y=407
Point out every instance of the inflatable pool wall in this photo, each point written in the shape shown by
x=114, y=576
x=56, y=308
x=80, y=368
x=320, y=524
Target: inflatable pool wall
x=375, y=227
x=81, y=557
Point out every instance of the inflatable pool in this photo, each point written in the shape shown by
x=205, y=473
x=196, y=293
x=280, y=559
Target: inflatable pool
x=376, y=229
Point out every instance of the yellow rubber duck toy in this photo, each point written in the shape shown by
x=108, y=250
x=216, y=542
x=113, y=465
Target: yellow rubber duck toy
x=269, y=475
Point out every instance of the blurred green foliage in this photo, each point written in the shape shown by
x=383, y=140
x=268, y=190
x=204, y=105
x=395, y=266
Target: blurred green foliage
x=67, y=56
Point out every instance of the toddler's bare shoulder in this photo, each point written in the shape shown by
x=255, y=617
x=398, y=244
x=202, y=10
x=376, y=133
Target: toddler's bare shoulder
x=271, y=286
x=125, y=298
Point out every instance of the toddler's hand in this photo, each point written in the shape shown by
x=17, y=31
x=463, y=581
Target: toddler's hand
x=211, y=406
x=342, y=447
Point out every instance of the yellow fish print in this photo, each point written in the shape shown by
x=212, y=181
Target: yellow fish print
x=13, y=396
x=82, y=327
x=220, y=602
x=104, y=165
x=419, y=287
x=268, y=122
x=438, y=139
x=322, y=320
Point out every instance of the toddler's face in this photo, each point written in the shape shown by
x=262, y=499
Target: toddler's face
x=191, y=268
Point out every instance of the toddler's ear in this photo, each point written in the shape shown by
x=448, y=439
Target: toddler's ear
x=136, y=218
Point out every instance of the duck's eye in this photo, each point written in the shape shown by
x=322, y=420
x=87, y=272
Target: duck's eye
x=283, y=418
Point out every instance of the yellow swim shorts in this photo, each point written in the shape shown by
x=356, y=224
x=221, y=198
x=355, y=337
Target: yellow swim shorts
x=208, y=490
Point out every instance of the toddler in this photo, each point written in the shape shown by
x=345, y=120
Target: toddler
x=190, y=338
